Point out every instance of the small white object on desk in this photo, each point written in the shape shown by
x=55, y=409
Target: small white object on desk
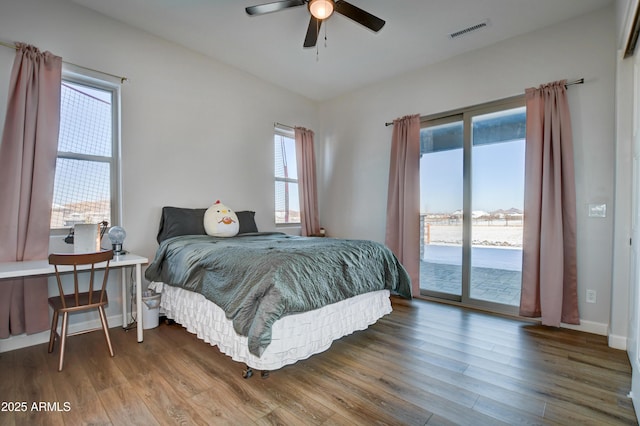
x=86, y=237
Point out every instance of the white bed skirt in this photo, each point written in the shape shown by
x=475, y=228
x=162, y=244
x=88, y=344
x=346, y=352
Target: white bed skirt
x=294, y=337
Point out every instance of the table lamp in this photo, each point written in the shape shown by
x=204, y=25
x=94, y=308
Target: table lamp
x=117, y=234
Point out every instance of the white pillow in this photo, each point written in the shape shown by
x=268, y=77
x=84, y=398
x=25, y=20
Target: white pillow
x=220, y=221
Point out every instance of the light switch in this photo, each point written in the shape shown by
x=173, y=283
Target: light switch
x=597, y=210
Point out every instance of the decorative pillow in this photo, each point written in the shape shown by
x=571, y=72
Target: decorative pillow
x=247, y=222
x=176, y=221
x=220, y=221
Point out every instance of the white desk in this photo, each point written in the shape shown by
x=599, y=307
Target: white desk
x=31, y=268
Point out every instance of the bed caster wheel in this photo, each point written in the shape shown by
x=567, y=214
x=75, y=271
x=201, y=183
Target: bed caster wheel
x=264, y=374
x=248, y=372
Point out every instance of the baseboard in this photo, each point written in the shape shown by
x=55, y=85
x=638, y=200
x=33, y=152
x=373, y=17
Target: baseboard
x=618, y=342
x=614, y=341
x=589, y=327
x=24, y=340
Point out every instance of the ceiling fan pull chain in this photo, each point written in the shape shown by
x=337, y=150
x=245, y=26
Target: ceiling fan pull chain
x=317, y=32
x=325, y=35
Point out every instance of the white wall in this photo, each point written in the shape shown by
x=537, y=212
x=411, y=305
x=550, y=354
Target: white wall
x=193, y=129
x=354, y=146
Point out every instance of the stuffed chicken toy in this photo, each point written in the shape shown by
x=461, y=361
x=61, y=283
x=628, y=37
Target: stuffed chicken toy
x=220, y=221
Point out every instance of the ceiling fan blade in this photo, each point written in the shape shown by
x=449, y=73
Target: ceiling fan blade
x=360, y=16
x=312, y=32
x=273, y=7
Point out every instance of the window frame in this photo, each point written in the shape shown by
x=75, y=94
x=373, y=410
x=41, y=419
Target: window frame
x=88, y=78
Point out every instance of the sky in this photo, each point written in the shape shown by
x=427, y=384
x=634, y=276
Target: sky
x=497, y=178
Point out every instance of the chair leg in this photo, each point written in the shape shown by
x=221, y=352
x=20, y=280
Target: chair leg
x=54, y=330
x=63, y=338
x=105, y=327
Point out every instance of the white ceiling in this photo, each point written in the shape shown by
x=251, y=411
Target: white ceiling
x=269, y=46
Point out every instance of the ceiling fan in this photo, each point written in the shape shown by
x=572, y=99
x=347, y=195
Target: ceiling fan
x=321, y=10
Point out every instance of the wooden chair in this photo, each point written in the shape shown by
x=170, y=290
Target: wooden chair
x=77, y=301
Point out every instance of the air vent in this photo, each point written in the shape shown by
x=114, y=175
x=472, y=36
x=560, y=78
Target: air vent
x=470, y=29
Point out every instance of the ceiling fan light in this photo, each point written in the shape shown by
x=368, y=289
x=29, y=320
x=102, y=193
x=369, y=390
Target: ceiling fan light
x=321, y=9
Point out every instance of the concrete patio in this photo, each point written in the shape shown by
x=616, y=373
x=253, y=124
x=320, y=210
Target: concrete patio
x=500, y=285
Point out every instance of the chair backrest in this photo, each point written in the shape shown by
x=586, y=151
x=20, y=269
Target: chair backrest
x=77, y=260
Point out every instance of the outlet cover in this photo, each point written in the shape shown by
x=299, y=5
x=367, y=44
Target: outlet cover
x=591, y=296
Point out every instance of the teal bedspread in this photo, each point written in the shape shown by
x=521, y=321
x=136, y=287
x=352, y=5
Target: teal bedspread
x=259, y=277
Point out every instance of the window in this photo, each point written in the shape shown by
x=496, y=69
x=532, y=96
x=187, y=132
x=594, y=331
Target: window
x=287, y=202
x=86, y=180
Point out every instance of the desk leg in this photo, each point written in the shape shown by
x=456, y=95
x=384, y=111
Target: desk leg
x=123, y=271
x=139, y=300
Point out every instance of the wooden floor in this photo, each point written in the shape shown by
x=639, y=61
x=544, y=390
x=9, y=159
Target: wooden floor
x=425, y=363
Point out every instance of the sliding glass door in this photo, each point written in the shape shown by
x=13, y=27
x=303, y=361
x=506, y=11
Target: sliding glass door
x=471, y=199
x=441, y=199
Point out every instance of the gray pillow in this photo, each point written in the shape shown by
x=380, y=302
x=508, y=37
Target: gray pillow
x=247, y=222
x=176, y=221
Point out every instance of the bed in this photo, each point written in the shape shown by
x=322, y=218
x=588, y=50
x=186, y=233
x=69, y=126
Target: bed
x=268, y=299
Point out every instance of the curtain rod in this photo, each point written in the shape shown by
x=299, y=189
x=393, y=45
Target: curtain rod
x=121, y=78
x=571, y=83
x=283, y=125
x=567, y=84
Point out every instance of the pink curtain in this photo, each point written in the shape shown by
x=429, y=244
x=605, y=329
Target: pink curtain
x=27, y=168
x=549, y=264
x=403, y=201
x=307, y=186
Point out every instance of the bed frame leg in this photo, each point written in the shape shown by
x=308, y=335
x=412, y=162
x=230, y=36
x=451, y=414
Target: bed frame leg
x=248, y=372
